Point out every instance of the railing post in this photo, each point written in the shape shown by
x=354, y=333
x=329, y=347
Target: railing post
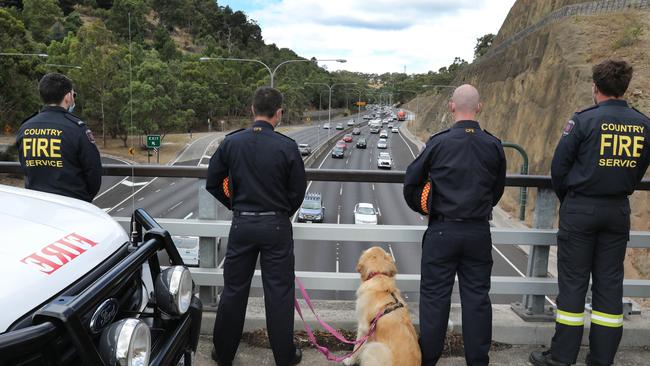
x=207, y=245
x=533, y=308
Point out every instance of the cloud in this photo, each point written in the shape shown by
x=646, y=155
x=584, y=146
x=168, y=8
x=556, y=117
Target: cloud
x=383, y=35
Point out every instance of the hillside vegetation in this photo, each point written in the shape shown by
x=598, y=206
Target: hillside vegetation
x=533, y=87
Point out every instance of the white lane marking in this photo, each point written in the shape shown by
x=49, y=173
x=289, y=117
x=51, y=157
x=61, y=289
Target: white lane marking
x=140, y=199
x=174, y=206
x=172, y=183
x=110, y=188
x=407, y=145
x=373, y=186
x=188, y=216
x=341, y=190
x=131, y=195
x=337, y=265
x=390, y=248
x=120, y=209
x=347, y=161
x=128, y=183
x=157, y=190
x=295, y=216
x=338, y=218
x=221, y=263
x=378, y=211
x=517, y=269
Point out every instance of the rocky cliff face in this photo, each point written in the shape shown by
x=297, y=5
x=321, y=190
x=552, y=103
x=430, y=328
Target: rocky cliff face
x=533, y=86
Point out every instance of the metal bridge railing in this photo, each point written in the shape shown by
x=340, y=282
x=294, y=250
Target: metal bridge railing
x=535, y=286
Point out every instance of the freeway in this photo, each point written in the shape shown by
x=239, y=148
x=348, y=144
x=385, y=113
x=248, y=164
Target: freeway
x=339, y=200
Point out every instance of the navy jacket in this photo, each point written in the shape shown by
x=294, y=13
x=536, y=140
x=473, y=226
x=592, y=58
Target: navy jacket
x=257, y=169
x=58, y=154
x=465, y=168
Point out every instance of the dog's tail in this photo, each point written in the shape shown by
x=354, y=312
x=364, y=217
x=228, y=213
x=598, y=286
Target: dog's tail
x=376, y=354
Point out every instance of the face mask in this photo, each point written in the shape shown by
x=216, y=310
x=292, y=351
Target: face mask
x=71, y=108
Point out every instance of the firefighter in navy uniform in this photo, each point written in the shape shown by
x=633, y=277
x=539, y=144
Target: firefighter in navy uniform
x=601, y=157
x=56, y=149
x=259, y=175
x=457, y=180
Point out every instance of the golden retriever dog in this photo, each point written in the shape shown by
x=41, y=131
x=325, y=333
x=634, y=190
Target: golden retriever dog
x=395, y=342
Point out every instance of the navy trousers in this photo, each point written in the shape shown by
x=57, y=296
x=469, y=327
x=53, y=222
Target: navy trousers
x=271, y=237
x=450, y=249
x=591, y=240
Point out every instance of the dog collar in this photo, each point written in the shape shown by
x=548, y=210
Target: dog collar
x=373, y=274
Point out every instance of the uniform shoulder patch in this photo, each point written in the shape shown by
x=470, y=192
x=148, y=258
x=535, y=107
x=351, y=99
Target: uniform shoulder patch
x=285, y=136
x=568, y=128
x=438, y=133
x=90, y=135
x=30, y=117
x=595, y=106
x=235, y=131
x=488, y=132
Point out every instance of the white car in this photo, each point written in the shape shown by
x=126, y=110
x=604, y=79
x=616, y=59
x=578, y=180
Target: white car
x=351, y=122
x=383, y=134
x=384, y=161
x=72, y=274
x=382, y=144
x=326, y=126
x=188, y=248
x=395, y=130
x=365, y=213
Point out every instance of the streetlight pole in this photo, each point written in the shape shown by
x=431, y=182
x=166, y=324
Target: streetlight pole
x=329, y=111
x=268, y=68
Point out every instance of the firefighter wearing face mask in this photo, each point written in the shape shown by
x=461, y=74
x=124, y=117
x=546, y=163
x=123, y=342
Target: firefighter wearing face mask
x=56, y=149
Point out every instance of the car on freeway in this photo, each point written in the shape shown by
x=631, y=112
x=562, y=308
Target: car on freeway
x=326, y=126
x=390, y=125
x=364, y=213
x=374, y=129
x=338, y=152
x=339, y=126
x=347, y=137
x=384, y=160
x=367, y=117
x=351, y=122
x=304, y=149
x=361, y=143
x=88, y=293
x=356, y=131
x=394, y=130
x=383, y=134
x=382, y=144
x=188, y=248
x=342, y=144
x=312, y=209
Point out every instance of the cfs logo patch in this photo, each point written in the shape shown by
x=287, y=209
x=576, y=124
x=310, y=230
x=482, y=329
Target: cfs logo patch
x=621, y=145
x=568, y=128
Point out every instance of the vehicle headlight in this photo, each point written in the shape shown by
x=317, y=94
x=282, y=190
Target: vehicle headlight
x=173, y=289
x=126, y=343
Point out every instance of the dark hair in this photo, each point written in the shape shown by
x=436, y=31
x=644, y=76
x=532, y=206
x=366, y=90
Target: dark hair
x=267, y=101
x=53, y=87
x=612, y=77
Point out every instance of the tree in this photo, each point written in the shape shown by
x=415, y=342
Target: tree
x=483, y=44
x=40, y=16
x=118, y=20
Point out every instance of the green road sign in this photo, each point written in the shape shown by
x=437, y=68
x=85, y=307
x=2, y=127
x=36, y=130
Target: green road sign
x=153, y=141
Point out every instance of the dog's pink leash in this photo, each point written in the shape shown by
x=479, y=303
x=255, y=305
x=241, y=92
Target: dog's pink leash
x=322, y=349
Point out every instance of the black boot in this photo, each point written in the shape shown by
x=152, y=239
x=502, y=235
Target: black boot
x=539, y=358
x=218, y=361
x=297, y=356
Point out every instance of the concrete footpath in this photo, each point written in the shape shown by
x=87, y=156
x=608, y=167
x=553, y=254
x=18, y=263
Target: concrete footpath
x=517, y=355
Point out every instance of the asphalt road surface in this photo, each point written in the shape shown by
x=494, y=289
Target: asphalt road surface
x=178, y=198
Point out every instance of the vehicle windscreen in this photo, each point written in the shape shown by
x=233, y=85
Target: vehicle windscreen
x=366, y=211
x=311, y=205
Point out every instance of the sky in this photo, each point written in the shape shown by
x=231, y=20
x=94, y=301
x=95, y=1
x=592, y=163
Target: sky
x=377, y=36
